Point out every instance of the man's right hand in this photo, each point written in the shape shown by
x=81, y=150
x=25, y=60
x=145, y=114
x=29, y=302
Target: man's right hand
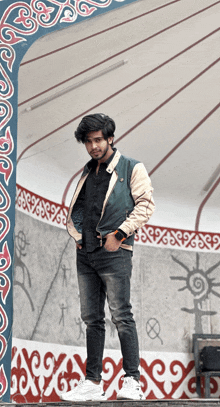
x=78, y=246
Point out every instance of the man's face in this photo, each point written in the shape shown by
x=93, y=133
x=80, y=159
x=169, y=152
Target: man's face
x=97, y=147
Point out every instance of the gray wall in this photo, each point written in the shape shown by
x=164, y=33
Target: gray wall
x=174, y=292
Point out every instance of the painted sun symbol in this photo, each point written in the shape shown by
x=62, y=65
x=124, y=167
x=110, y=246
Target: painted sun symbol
x=198, y=282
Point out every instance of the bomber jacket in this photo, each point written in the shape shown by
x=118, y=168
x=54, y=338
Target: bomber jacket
x=128, y=204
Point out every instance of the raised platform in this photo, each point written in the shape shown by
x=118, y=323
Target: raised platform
x=126, y=403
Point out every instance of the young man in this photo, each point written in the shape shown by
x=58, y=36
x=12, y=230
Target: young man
x=112, y=200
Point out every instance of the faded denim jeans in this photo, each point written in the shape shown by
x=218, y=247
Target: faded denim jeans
x=104, y=274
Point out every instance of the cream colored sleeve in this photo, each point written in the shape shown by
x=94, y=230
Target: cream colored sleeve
x=141, y=190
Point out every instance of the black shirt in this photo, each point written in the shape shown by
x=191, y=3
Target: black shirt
x=95, y=189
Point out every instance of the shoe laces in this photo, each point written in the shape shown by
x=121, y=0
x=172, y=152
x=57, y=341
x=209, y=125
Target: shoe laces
x=81, y=383
x=130, y=382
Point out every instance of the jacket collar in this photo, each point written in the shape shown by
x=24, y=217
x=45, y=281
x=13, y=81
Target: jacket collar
x=114, y=161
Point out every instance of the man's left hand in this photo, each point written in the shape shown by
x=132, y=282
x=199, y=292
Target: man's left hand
x=112, y=244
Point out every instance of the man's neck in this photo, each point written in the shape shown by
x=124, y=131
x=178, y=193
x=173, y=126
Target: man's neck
x=108, y=154
x=104, y=159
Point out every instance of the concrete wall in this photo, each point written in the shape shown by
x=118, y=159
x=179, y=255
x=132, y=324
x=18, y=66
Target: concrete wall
x=174, y=294
x=172, y=290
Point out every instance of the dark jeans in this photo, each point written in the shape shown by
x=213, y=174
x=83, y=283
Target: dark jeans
x=100, y=274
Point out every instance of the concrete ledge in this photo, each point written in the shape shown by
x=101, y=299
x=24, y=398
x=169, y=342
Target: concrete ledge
x=126, y=403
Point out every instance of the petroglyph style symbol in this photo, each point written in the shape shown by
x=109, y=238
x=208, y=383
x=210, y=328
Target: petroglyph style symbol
x=63, y=307
x=64, y=269
x=153, y=329
x=19, y=252
x=21, y=241
x=200, y=285
x=79, y=322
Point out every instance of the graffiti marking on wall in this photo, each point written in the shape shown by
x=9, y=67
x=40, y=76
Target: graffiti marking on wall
x=200, y=286
x=20, y=251
x=153, y=329
x=79, y=322
x=65, y=269
x=63, y=307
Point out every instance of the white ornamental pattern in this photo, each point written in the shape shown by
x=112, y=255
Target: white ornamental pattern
x=40, y=208
x=178, y=239
x=53, y=213
x=41, y=372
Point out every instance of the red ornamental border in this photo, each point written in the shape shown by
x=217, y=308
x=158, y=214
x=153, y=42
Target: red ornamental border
x=32, y=14
x=42, y=377
x=178, y=238
x=6, y=169
x=53, y=213
x=41, y=208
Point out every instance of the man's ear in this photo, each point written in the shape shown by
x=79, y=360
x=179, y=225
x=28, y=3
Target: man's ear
x=111, y=140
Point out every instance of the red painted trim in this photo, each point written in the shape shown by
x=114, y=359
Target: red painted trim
x=117, y=54
x=204, y=202
x=140, y=122
x=169, y=99
x=111, y=96
x=184, y=139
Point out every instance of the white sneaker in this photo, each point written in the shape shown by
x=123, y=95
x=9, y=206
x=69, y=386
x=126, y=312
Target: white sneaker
x=131, y=390
x=86, y=390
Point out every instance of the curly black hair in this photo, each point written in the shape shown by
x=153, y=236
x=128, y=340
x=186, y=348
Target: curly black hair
x=95, y=122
